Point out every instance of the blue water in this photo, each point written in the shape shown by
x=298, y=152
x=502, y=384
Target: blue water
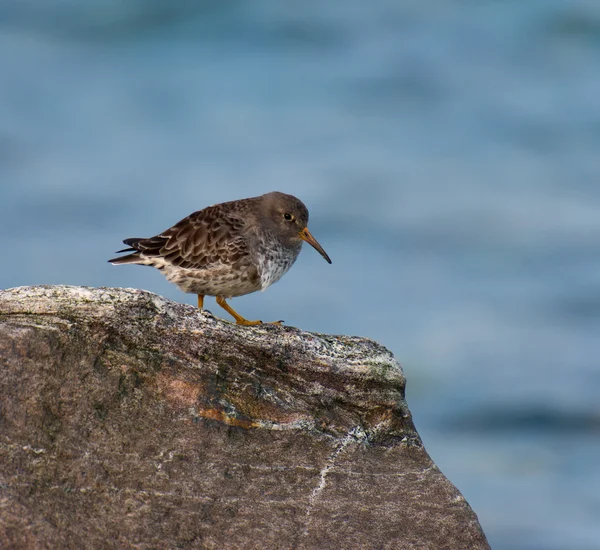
x=449, y=153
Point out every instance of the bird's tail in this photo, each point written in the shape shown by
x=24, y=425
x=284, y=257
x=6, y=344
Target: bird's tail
x=130, y=258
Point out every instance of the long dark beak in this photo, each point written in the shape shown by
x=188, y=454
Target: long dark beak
x=306, y=236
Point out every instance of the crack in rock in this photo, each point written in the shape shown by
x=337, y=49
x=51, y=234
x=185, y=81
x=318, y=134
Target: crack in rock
x=355, y=435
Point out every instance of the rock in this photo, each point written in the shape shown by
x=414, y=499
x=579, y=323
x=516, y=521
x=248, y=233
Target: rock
x=127, y=420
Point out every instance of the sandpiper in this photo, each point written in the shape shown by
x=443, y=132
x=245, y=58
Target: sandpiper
x=228, y=249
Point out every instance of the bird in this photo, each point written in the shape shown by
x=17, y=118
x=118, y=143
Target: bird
x=228, y=249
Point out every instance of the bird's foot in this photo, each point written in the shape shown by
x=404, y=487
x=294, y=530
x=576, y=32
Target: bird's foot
x=238, y=318
x=241, y=321
x=245, y=322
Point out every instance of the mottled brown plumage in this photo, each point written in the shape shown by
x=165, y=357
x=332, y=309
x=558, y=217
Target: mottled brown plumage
x=228, y=249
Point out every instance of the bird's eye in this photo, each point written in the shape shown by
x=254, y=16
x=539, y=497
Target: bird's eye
x=287, y=216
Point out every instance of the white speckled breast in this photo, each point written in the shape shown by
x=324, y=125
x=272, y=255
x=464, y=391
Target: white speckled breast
x=274, y=260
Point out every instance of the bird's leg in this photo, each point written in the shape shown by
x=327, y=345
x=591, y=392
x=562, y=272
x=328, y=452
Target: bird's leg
x=200, y=301
x=238, y=318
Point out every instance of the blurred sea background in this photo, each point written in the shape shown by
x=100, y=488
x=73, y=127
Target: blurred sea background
x=449, y=152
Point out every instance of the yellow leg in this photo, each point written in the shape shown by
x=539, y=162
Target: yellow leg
x=200, y=301
x=238, y=318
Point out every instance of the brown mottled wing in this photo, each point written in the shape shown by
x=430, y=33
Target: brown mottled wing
x=211, y=236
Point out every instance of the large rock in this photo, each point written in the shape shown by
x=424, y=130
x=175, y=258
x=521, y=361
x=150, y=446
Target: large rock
x=129, y=421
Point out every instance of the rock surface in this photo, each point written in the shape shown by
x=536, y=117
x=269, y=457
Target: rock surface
x=129, y=421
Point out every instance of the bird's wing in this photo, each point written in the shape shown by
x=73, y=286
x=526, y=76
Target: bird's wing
x=208, y=237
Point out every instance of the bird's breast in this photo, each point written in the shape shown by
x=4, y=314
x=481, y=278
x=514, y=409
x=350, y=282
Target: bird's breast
x=273, y=262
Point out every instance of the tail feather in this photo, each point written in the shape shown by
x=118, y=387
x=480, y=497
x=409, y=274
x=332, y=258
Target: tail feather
x=130, y=258
x=132, y=242
x=148, y=247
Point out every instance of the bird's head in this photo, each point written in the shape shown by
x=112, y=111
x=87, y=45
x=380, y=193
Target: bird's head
x=288, y=218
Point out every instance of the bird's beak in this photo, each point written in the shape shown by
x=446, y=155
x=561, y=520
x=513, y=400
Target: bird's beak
x=306, y=236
